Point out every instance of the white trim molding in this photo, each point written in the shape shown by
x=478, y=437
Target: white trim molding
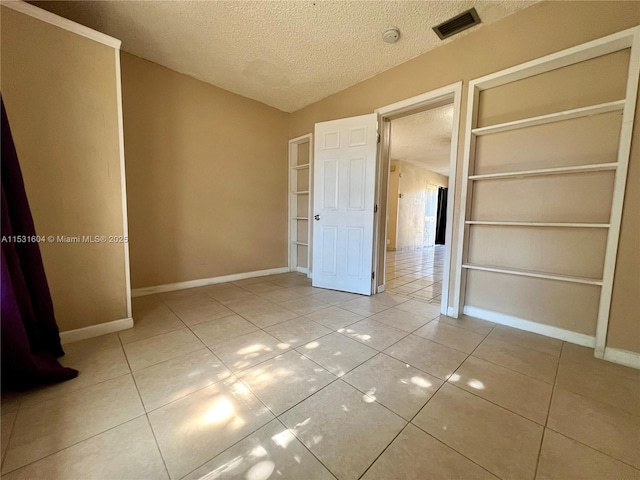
x=123, y=184
x=141, y=292
x=632, y=37
x=529, y=326
x=96, y=330
x=58, y=21
x=623, y=357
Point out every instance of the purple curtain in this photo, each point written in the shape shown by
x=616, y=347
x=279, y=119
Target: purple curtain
x=30, y=337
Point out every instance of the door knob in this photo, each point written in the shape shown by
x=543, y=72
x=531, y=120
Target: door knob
x=317, y=217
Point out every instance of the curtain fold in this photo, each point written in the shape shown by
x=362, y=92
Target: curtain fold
x=441, y=219
x=30, y=336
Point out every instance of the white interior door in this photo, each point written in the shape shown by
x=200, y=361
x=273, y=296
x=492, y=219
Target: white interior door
x=344, y=200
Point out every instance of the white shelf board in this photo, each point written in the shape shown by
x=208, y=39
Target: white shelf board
x=539, y=224
x=302, y=192
x=298, y=218
x=300, y=243
x=529, y=273
x=551, y=118
x=596, y=167
x=300, y=167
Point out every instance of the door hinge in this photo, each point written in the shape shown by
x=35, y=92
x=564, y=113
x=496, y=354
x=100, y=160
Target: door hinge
x=375, y=208
x=373, y=275
x=378, y=137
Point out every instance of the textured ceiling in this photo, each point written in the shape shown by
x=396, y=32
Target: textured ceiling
x=287, y=54
x=424, y=139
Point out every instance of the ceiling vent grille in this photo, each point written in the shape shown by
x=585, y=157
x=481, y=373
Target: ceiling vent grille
x=457, y=24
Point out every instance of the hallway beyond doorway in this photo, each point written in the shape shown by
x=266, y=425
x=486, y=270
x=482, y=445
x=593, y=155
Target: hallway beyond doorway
x=416, y=273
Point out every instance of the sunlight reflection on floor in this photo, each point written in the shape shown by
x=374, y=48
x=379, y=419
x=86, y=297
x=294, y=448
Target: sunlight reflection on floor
x=420, y=382
x=221, y=410
x=477, y=384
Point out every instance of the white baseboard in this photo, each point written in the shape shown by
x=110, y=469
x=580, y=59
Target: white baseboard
x=529, y=326
x=623, y=357
x=302, y=270
x=452, y=312
x=381, y=288
x=96, y=330
x=140, y=292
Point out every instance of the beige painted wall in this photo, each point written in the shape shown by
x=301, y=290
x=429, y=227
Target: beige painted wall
x=392, y=205
x=59, y=89
x=206, y=178
x=412, y=184
x=534, y=32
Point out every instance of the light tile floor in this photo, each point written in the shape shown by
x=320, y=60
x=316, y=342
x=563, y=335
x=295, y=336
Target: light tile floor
x=271, y=378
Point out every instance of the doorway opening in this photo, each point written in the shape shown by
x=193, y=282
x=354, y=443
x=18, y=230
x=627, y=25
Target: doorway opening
x=416, y=183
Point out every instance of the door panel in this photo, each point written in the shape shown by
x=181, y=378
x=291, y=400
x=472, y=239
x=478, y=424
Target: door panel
x=344, y=196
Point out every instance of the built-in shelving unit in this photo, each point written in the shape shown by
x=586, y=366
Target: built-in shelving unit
x=539, y=219
x=300, y=205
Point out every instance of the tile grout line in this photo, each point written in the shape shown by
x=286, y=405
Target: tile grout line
x=493, y=403
x=237, y=380
x=511, y=369
x=290, y=349
x=144, y=409
x=381, y=351
x=89, y=437
x=130, y=372
x=13, y=424
x=418, y=412
x=303, y=444
x=447, y=382
x=78, y=389
x=76, y=443
x=590, y=447
x=232, y=375
x=275, y=417
x=546, y=420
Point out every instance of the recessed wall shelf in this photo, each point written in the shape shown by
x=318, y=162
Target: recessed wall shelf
x=616, y=122
x=551, y=118
x=530, y=273
x=300, y=203
x=539, y=224
x=597, y=167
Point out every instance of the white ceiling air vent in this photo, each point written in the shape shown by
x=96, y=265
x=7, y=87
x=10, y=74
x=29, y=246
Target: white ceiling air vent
x=457, y=24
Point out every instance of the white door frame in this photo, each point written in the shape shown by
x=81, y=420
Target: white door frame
x=442, y=96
